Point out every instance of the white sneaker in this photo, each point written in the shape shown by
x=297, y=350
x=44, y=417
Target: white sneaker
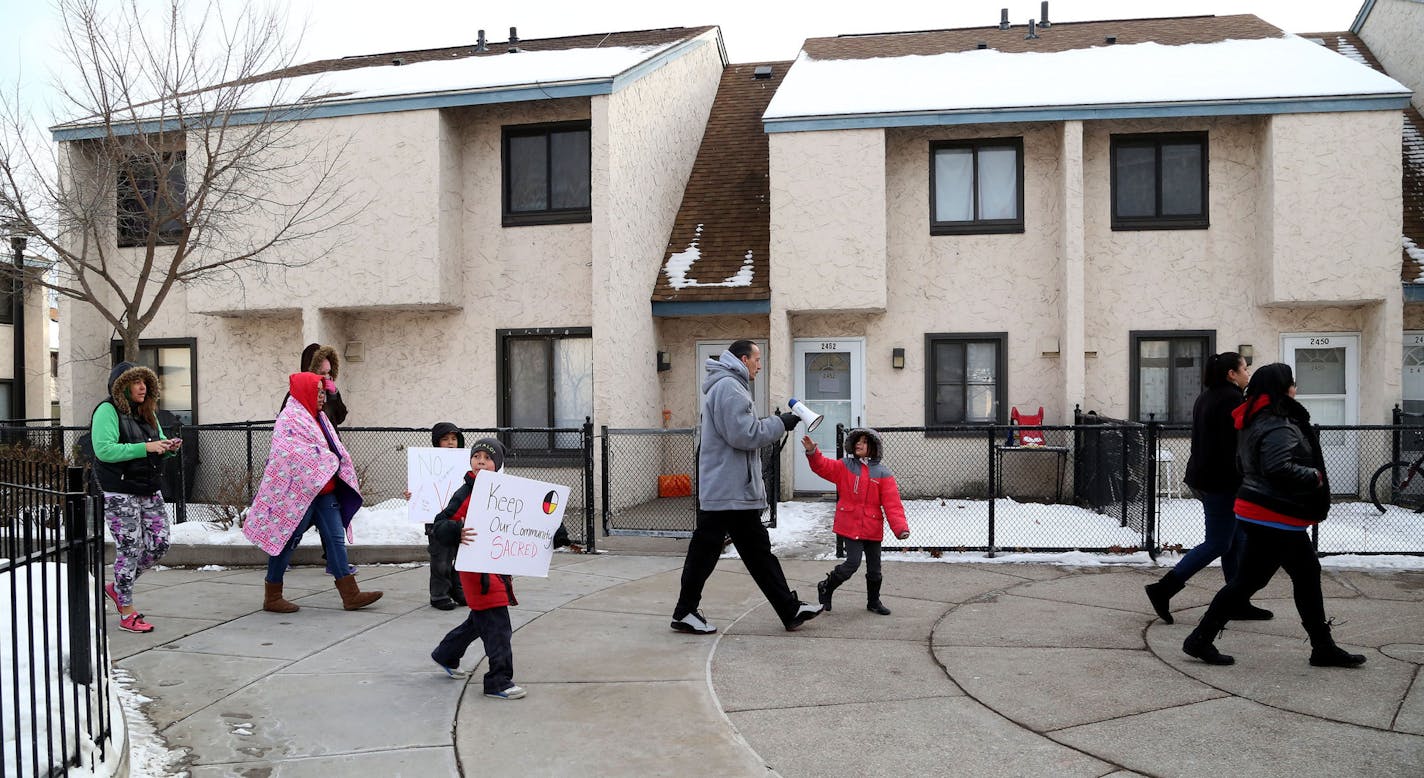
x=694, y=623
x=804, y=613
x=512, y=693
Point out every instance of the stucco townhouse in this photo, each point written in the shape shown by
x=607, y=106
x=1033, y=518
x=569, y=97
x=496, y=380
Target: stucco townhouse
x=1069, y=215
x=514, y=201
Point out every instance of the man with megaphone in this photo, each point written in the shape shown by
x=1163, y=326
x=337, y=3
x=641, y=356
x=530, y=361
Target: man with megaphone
x=731, y=493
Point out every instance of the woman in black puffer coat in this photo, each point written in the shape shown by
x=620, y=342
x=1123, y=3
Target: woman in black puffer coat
x=1283, y=493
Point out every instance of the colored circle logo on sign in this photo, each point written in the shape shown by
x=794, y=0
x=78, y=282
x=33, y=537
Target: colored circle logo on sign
x=551, y=502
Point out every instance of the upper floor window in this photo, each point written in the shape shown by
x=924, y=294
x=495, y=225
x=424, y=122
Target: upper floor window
x=151, y=191
x=976, y=186
x=1167, y=372
x=1159, y=182
x=966, y=381
x=175, y=361
x=545, y=380
x=546, y=174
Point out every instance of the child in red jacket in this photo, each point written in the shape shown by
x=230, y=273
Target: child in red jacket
x=867, y=497
x=489, y=595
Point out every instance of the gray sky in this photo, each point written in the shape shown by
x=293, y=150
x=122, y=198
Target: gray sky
x=752, y=29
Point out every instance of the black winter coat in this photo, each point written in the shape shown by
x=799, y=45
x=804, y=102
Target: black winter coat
x=1282, y=466
x=1212, y=464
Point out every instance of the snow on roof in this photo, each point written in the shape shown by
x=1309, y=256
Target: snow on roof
x=1230, y=70
x=526, y=68
x=679, y=264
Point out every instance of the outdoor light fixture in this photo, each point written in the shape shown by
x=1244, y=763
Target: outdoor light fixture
x=664, y=361
x=897, y=358
x=1246, y=352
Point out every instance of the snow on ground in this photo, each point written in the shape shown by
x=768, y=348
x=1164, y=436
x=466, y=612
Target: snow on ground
x=149, y=756
x=804, y=530
x=46, y=656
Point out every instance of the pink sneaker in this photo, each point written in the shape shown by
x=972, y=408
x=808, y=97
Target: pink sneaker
x=134, y=623
x=112, y=593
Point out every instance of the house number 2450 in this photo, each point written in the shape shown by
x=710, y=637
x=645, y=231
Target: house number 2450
x=1319, y=341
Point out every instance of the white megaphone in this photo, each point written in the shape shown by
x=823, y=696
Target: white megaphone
x=812, y=419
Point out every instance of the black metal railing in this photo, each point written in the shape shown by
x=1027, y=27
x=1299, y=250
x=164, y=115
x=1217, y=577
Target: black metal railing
x=54, y=686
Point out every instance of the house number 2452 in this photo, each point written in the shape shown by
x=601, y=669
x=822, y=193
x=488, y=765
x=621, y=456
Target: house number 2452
x=830, y=347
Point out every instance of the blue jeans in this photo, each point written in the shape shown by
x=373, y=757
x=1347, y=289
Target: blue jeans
x=1224, y=538
x=326, y=515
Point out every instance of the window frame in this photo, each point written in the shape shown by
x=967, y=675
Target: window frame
x=126, y=236
x=978, y=226
x=1158, y=221
x=549, y=215
x=9, y=385
x=1135, y=338
x=549, y=454
x=1001, y=382
x=116, y=355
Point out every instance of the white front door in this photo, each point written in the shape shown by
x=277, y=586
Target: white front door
x=711, y=349
x=1327, y=383
x=829, y=377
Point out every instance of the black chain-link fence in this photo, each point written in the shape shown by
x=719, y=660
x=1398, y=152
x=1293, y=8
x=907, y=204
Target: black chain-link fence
x=221, y=465
x=1100, y=485
x=649, y=481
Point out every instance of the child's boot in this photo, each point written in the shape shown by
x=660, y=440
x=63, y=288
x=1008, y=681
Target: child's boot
x=1324, y=652
x=1159, y=593
x=872, y=597
x=351, y=595
x=826, y=588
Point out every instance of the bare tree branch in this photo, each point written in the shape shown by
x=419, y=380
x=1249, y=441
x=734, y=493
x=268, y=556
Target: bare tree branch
x=189, y=168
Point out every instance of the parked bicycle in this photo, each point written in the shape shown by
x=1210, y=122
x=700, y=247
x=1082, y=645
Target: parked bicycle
x=1400, y=483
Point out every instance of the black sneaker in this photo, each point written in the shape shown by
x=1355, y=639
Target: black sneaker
x=694, y=623
x=805, y=611
x=446, y=604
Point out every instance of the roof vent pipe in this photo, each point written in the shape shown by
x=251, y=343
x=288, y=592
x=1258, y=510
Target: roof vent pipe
x=480, y=44
x=1032, y=34
x=1043, y=22
x=513, y=40
x=1003, y=18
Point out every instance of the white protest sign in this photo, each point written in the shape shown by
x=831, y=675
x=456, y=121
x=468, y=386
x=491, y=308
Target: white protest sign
x=432, y=475
x=516, y=519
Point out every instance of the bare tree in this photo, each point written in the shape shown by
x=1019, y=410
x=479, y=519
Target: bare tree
x=181, y=163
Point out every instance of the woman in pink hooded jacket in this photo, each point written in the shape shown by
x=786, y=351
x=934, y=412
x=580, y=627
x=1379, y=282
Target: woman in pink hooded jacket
x=867, y=498
x=309, y=479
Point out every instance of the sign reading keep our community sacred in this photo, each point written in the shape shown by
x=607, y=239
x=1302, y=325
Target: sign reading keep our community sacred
x=432, y=475
x=516, y=519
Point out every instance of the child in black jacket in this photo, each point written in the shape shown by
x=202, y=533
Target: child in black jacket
x=445, y=592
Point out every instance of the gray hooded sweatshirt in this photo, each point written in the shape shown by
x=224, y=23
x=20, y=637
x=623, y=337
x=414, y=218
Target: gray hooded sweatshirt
x=728, y=460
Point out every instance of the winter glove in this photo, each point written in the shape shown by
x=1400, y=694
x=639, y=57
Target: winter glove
x=789, y=419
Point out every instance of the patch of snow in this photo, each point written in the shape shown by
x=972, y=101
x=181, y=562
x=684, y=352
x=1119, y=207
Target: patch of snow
x=149, y=756
x=1347, y=49
x=1415, y=253
x=680, y=263
x=1230, y=70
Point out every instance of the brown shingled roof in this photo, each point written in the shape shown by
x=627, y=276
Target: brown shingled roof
x=657, y=37
x=1062, y=36
x=728, y=193
x=1348, y=44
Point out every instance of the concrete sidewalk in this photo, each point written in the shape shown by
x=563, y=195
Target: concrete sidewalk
x=989, y=669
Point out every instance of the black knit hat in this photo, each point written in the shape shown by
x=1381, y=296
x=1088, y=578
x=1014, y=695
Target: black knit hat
x=490, y=446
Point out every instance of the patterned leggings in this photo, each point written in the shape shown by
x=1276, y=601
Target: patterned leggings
x=139, y=525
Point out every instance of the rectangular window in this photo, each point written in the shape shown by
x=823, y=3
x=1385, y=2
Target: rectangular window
x=1167, y=372
x=5, y=411
x=966, y=381
x=976, y=187
x=175, y=360
x=1159, y=182
x=545, y=380
x=151, y=190
x=547, y=174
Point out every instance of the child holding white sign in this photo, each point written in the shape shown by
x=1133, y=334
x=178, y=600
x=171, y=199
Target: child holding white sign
x=445, y=592
x=489, y=596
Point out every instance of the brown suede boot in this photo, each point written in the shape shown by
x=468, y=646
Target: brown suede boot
x=272, y=600
x=351, y=596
